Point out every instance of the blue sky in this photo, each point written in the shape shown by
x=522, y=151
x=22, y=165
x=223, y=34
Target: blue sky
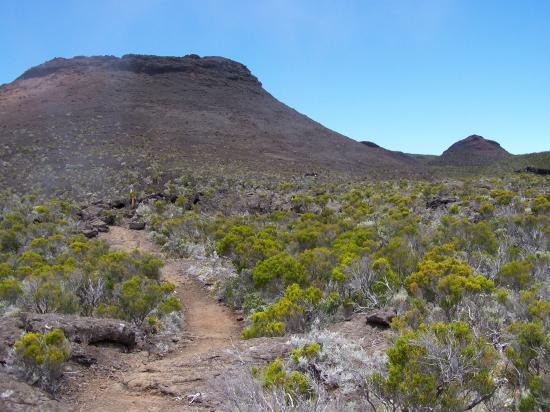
x=411, y=75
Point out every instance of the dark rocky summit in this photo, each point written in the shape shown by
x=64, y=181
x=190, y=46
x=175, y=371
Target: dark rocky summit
x=473, y=151
x=370, y=144
x=151, y=65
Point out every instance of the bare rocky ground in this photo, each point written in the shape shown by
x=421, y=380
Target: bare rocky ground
x=146, y=380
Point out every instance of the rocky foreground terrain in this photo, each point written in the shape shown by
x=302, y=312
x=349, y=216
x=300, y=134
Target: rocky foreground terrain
x=114, y=366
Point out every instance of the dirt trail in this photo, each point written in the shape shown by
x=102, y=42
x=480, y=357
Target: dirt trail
x=208, y=326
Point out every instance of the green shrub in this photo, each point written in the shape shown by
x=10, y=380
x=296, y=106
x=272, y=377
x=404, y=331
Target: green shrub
x=454, y=209
x=281, y=267
x=528, y=352
x=253, y=302
x=502, y=197
x=9, y=241
x=399, y=254
x=516, y=274
x=292, y=312
x=308, y=352
x=245, y=247
x=47, y=292
x=480, y=237
x=444, y=367
x=318, y=263
x=541, y=204
x=148, y=266
x=10, y=289
x=444, y=280
x=43, y=356
x=295, y=384
x=139, y=296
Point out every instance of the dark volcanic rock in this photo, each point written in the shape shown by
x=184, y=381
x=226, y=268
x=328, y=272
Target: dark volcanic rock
x=11, y=328
x=440, y=201
x=137, y=225
x=535, y=170
x=85, y=330
x=119, y=204
x=151, y=65
x=99, y=225
x=81, y=355
x=381, y=318
x=90, y=233
x=370, y=144
x=90, y=212
x=20, y=396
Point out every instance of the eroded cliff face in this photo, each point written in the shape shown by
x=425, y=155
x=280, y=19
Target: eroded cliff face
x=152, y=65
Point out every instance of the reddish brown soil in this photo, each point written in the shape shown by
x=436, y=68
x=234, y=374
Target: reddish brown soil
x=89, y=124
x=208, y=326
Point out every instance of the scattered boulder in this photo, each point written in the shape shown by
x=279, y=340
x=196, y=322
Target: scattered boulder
x=535, y=170
x=90, y=212
x=259, y=201
x=158, y=196
x=82, y=356
x=440, y=201
x=118, y=204
x=11, y=328
x=137, y=225
x=109, y=219
x=20, y=396
x=81, y=329
x=93, y=218
x=99, y=225
x=381, y=318
x=89, y=233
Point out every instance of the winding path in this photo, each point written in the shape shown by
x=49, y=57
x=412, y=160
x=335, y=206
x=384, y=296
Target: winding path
x=208, y=326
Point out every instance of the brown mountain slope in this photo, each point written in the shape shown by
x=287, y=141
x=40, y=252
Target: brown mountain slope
x=473, y=151
x=405, y=158
x=98, y=123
